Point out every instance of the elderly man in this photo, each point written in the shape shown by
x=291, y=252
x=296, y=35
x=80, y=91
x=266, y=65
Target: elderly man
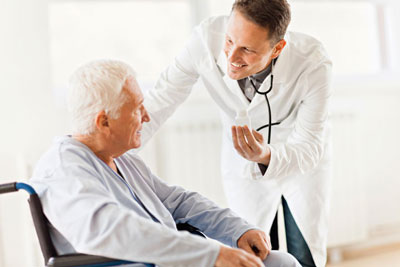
x=103, y=201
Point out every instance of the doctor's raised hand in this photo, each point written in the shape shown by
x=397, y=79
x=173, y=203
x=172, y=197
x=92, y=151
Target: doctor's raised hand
x=250, y=144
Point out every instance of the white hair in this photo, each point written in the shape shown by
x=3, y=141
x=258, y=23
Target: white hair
x=94, y=87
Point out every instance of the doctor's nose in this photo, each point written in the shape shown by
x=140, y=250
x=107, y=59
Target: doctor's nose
x=233, y=55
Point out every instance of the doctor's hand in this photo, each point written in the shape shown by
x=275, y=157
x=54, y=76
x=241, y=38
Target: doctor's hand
x=255, y=242
x=250, y=144
x=232, y=257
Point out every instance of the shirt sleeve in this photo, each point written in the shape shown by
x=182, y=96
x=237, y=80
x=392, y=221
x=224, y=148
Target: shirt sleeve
x=173, y=87
x=185, y=206
x=305, y=145
x=81, y=208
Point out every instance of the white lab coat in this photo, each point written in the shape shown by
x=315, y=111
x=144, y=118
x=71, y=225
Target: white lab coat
x=299, y=168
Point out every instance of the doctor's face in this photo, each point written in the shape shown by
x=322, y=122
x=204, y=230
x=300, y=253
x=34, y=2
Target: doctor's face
x=247, y=48
x=125, y=132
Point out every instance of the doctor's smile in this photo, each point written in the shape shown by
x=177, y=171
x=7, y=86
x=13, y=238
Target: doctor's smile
x=247, y=47
x=238, y=66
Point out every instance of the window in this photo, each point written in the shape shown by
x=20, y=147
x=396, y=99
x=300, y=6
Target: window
x=348, y=30
x=146, y=34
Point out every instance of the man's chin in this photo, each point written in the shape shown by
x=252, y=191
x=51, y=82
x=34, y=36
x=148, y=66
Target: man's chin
x=235, y=75
x=137, y=145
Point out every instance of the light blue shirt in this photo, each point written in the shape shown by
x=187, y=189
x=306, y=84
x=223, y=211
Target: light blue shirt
x=93, y=210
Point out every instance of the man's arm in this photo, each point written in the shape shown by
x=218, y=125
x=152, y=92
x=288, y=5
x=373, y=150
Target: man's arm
x=200, y=212
x=217, y=223
x=305, y=145
x=172, y=88
x=81, y=209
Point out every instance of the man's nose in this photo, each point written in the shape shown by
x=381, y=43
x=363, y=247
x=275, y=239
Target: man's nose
x=233, y=54
x=145, y=116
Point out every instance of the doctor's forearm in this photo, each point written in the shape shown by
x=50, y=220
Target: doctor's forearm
x=263, y=166
x=266, y=158
x=293, y=159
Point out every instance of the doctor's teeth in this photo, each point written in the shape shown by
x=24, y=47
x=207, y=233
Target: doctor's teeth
x=237, y=65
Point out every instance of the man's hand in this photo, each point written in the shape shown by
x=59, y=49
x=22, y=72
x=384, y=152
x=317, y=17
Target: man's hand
x=250, y=145
x=232, y=257
x=255, y=242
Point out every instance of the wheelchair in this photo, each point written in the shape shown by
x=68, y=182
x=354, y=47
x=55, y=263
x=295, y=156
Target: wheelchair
x=50, y=255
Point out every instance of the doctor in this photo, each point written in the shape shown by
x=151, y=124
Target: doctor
x=282, y=155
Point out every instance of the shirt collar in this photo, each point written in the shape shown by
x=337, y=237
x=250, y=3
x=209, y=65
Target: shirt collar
x=260, y=76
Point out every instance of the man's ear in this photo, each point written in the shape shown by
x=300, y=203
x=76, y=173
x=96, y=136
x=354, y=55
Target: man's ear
x=102, y=121
x=278, y=48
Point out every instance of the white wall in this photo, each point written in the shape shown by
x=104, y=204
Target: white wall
x=28, y=118
x=393, y=40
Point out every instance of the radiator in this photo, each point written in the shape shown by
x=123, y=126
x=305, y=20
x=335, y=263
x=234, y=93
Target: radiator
x=188, y=154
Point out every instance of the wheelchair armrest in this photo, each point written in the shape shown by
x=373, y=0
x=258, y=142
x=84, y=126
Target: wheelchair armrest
x=70, y=260
x=7, y=188
x=191, y=229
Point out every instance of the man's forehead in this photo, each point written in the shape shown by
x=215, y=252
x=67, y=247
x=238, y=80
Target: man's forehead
x=131, y=87
x=242, y=27
x=131, y=83
x=130, y=80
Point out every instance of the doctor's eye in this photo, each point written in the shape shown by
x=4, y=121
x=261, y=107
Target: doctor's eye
x=247, y=50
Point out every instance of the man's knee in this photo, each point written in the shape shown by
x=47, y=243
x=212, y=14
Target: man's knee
x=281, y=259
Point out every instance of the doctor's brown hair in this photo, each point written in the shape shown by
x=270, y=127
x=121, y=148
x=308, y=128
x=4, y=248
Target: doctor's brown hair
x=271, y=14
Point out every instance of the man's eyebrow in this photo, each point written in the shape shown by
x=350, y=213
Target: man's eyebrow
x=250, y=48
x=140, y=102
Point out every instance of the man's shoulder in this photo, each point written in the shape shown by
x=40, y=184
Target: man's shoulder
x=207, y=39
x=215, y=24
x=64, y=152
x=306, y=47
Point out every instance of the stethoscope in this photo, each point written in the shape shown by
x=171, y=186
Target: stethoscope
x=270, y=124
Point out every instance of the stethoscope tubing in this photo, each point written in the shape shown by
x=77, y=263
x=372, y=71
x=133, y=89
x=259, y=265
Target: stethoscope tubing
x=269, y=106
x=269, y=109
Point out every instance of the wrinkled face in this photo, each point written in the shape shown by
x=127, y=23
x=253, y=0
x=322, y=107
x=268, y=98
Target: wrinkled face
x=125, y=132
x=247, y=47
